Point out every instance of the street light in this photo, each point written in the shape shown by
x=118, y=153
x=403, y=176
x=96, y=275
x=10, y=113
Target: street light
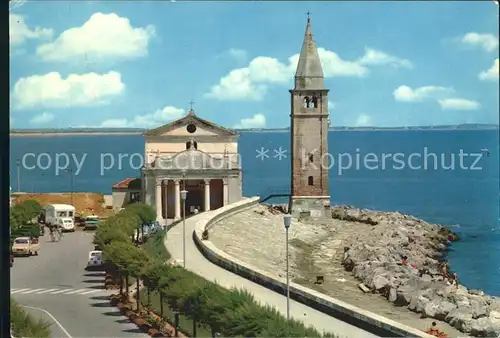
x=18, y=164
x=287, y=220
x=183, y=198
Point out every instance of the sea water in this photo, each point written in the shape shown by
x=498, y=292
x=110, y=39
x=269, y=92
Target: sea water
x=441, y=176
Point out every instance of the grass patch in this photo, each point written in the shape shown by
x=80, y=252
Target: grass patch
x=24, y=325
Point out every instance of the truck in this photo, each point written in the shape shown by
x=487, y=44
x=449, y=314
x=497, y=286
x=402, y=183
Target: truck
x=25, y=246
x=62, y=215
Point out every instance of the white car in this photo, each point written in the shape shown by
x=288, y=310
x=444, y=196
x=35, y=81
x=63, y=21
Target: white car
x=95, y=259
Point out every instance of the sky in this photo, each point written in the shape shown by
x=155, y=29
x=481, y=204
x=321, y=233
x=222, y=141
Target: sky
x=140, y=64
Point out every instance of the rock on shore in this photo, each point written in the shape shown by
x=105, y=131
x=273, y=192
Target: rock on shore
x=374, y=258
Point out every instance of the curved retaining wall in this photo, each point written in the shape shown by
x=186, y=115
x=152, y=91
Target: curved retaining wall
x=351, y=314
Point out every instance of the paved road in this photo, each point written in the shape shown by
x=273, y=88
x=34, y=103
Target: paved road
x=56, y=287
x=197, y=263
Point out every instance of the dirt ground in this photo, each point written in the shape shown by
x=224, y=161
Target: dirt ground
x=85, y=203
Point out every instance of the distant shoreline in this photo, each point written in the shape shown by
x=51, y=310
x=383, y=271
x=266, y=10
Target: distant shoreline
x=72, y=133
x=135, y=131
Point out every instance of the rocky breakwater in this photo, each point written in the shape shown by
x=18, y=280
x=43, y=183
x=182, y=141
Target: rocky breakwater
x=375, y=258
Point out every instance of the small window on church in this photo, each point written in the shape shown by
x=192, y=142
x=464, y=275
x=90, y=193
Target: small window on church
x=314, y=101
x=311, y=158
x=310, y=180
x=307, y=101
x=191, y=128
x=188, y=145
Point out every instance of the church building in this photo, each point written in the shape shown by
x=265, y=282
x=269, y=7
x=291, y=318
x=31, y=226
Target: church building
x=309, y=134
x=193, y=155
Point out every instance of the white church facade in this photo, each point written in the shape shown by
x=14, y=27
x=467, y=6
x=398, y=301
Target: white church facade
x=189, y=154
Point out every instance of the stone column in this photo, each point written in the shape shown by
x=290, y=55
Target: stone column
x=177, y=199
x=207, y=195
x=146, y=190
x=225, y=191
x=159, y=217
x=165, y=197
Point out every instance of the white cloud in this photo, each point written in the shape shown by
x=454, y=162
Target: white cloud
x=407, y=94
x=334, y=66
x=488, y=42
x=237, y=85
x=256, y=121
x=114, y=123
x=374, y=57
x=239, y=55
x=363, y=120
x=152, y=120
x=42, y=118
x=13, y=4
x=458, y=104
x=331, y=105
x=490, y=74
x=252, y=82
x=51, y=90
x=442, y=95
x=19, y=31
x=103, y=36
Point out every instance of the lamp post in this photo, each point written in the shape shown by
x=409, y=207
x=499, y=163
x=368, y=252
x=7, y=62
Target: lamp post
x=18, y=165
x=183, y=198
x=287, y=220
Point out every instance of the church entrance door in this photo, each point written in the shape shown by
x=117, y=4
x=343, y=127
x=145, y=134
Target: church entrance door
x=195, y=196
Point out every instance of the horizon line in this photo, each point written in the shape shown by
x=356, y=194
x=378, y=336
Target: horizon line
x=131, y=129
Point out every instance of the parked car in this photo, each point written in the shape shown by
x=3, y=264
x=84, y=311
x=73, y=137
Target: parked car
x=91, y=222
x=95, y=260
x=26, y=246
x=80, y=220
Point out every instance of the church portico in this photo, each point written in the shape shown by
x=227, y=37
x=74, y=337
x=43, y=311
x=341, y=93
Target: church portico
x=204, y=194
x=207, y=167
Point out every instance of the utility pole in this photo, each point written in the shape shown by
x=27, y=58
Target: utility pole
x=18, y=164
x=287, y=220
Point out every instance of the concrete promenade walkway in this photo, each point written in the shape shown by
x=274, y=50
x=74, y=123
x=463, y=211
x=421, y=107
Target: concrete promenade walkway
x=198, y=264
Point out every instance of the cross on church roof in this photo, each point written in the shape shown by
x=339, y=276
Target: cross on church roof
x=308, y=16
x=191, y=111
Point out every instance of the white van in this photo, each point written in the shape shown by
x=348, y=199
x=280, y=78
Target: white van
x=60, y=214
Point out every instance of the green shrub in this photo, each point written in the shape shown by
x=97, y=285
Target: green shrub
x=23, y=213
x=155, y=247
x=145, y=212
x=24, y=325
x=230, y=313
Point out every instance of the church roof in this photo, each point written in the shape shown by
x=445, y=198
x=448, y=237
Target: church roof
x=128, y=183
x=191, y=117
x=309, y=65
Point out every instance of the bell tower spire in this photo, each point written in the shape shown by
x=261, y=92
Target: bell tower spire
x=309, y=134
x=309, y=73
